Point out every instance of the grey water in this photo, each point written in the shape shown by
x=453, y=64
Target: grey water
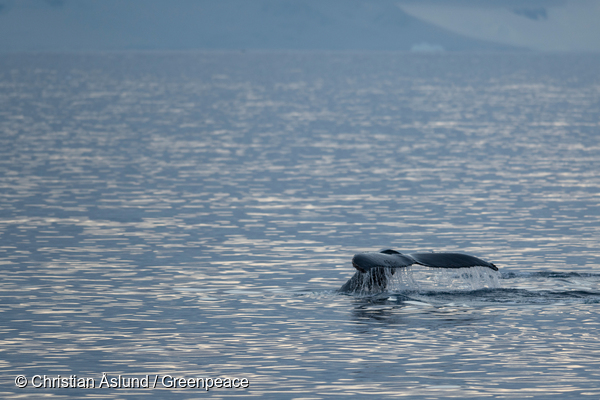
x=193, y=214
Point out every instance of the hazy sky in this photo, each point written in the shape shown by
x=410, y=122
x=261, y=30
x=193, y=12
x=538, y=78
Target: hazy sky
x=430, y=25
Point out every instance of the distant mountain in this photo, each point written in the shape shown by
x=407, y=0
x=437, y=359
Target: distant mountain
x=540, y=25
x=74, y=25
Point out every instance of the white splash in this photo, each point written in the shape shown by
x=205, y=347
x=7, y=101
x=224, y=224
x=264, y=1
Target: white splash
x=418, y=278
x=424, y=278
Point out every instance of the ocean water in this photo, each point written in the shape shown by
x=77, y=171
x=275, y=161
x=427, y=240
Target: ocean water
x=191, y=215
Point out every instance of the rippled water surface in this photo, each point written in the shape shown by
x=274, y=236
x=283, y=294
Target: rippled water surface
x=193, y=215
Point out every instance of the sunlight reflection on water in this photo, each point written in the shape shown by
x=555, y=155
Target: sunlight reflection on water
x=194, y=215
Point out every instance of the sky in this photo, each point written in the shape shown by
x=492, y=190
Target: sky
x=405, y=25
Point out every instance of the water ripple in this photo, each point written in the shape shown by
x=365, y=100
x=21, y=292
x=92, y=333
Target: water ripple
x=193, y=214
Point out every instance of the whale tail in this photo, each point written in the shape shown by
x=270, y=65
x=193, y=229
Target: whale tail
x=392, y=259
x=375, y=269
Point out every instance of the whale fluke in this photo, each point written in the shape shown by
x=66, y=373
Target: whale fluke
x=366, y=261
x=375, y=269
x=450, y=260
x=392, y=259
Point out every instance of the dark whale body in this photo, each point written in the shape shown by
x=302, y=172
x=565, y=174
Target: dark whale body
x=375, y=268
